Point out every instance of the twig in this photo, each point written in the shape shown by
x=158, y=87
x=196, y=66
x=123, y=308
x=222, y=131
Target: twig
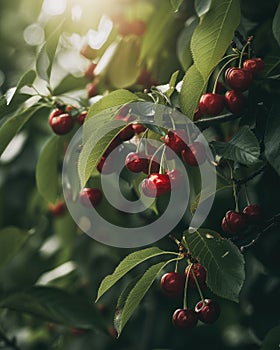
x=9, y=342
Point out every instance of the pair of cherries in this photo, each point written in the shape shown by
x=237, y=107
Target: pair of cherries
x=239, y=80
x=207, y=310
x=62, y=122
x=234, y=222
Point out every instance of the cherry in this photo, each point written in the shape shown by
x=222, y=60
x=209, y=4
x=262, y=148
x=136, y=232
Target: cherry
x=207, y=311
x=77, y=331
x=90, y=196
x=127, y=133
x=238, y=79
x=194, y=154
x=211, y=104
x=104, y=166
x=233, y=222
x=254, y=65
x=57, y=209
x=184, y=318
x=61, y=124
x=56, y=112
x=234, y=101
x=114, y=144
x=138, y=128
x=197, y=114
x=200, y=274
x=136, y=162
x=89, y=72
x=156, y=185
x=176, y=140
x=91, y=89
x=154, y=166
x=253, y=213
x=176, y=177
x=172, y=283
x=137, y=27
x=145, y=78
x=81, y=118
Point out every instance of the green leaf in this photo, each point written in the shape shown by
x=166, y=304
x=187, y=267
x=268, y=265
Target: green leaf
x=137, y=294
x=271, y=138
x=131, y=261
x=191, y=91
x=70, y=83
x=172, y=84
x=3, y=106
x=276, y=25
x=17, y=98
x=124, y=69
x=202, y=7
x=14, y=124
x=214, y=34
x=272, y=339
x=11, y=240
x=55, y=305
x=243, y=147
x=221, y=258
x=183, y=45
x=176, y=4
x=47, y=169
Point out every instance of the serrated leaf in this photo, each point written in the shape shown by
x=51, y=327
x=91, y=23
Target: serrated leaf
x=11, y=240
x=271, y=138
x=221, y=258
x=272, y=339
x=202, y=7
x=243, y=148
x=176, y=4
x=191, y=91
x=131, y=261
x=47, y=175
x=214, y=34
x=55, y=305
x=276, y=25
x=14, y=124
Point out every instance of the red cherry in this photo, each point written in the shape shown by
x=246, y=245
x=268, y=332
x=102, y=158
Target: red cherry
x=197, y=114
x=91, y=89
x=77, y=331
x=61, y=124
x=184, y=318
x=57, y=209
x=90, y=196
x=127, y=133
x=137, y=27
x=208, y=311
x=253, y=213
x=145, y=78
x=89, y=72
x=114, y=144
x=56, y=112
x=81, y=118
x=156, y=185
x=200, y=274
x=176, y=140
x=104, y=166
x=238, y=79
x=211, y=104
x=154, y=167
x=172, y=283
x=136, y=162
x=233, y=222
x=176, y=177
x=234, y=101
x=195, y=154
x=138, y=128
x=254, y=65
x=123, y=26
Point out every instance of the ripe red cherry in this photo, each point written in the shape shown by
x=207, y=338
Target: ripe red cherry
x=77, y=331
x=233, y=222
x=54, y=114
x=254, y=65
x=184, y=318
x=90, y=196
x=154, y=166
x=211, y=104
x=197, y=114
x=234, y=101
x=176, y=177
x=176, y=140
x=137, y=27
x=138, y=128
x=104, y=166
x=114, y=144
x=207, y=311
x=172, y=283
x=145, y=78
x=238, y=79
x=253, y=213
x=57, y=209
x=200, y=274
x=127, y=133
x=156, y=185
x=195, y=154
x=136, y=162
x=81, y=118
x=61, y=124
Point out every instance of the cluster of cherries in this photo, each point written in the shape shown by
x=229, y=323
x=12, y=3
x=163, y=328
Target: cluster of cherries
x=238, y=80
x=235, y=223
x=173, y=285
x=62, y=120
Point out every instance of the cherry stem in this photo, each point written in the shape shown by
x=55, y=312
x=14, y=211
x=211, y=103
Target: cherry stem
x=161, y=169
x=246, y=194
x=172, y=121
x=153, y=156
x=235, y=194
x=176, y=266
x=198, y=288
x=141, y=139
x=248, y=43
x=221, y=70
x=185, y=303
